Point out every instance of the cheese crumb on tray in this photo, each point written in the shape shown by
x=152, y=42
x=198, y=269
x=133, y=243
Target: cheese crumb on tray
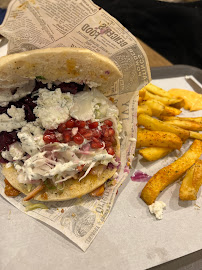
x=156, y=208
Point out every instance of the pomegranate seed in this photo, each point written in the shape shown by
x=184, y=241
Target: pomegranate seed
x=96, y=133
x=95, y=139
x=110, y=151
x=93, y=125
x=96, y=145
x=67, y=136
x=104, y=127
x=80, y=124
x=108, y=144
x=83, y=130
x=61, y=127
x=112, y=139
x=50, y=138
x=88, y=135
x=49, y=131
x=108, y=122
x=80, y=168
x=111, y=132
x=70, y=123
x=109, y=139
x=106, y=133
x=78, y=139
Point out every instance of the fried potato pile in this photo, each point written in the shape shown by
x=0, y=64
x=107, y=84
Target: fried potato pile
x=160, y=131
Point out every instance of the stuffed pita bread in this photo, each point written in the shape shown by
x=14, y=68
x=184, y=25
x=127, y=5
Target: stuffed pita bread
x=59, y=133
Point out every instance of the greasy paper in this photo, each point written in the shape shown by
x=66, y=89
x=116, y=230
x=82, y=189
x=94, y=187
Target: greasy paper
x=34, y=24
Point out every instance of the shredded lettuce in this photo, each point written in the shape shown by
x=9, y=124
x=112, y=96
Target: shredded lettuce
x=29, y=206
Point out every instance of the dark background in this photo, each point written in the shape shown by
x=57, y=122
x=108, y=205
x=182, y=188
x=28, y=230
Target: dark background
x=172, y=29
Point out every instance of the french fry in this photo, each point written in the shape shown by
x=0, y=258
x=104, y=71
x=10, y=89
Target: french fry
x=154, y=124
x=154, y=153
x=187, y=191
x=143, y=108
x=157, y=90
x=156, y=106
x=196, y=119
x=171, y=173
x=164, y=100
x=191, y=182
x=170, y=111
x=195, y=135
x=159, y=108
x=142, y=92
x=189, y=125
x=197, y=177
x=147, y=138
x=193, y=119
x=140, y=100
x=179, y=104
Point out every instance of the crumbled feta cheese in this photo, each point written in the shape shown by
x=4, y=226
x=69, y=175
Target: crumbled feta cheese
x=31, y=137
x=16, y=151
x=15, y=121
x=52, y=107
x=17, y=113
x=156, y=208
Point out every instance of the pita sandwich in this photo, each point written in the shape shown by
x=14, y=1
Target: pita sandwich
x=59, y=132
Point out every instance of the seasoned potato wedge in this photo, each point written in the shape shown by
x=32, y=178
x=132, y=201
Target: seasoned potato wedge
x=147, y=138
x=191, y=182
x=195, y=119
x=154, y=153
x=185, y=124
x=157, y=90
x=156, y=106
x=143, y=108
x=195, y=135
x=171, y=173
x=170, y=111
x=154, y=124
x=142, y=92
x=164, y=100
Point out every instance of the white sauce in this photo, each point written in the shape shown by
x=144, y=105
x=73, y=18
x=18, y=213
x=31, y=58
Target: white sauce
x=22, y=91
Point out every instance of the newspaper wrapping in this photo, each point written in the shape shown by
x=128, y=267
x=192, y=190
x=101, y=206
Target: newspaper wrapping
x=34, y=24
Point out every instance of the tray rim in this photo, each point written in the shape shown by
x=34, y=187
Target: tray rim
x=176, y=71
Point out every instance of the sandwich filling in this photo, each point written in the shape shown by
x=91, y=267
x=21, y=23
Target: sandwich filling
x=52, y=132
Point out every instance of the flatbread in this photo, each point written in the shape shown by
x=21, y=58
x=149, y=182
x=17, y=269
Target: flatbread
x=64, y=65
x=59, y=64
x=72, y=187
